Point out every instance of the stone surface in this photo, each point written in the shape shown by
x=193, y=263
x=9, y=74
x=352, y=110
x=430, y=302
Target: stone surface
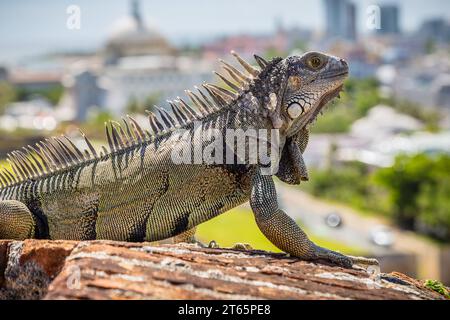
x=42, y=269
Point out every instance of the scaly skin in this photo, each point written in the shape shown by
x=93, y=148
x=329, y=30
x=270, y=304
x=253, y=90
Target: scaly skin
x=135, y=191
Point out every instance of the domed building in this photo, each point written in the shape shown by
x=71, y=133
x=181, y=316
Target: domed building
x=138, y=66
x=130, y=36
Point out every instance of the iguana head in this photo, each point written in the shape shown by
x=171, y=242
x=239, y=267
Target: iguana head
x=296, y=89
x=313, y=80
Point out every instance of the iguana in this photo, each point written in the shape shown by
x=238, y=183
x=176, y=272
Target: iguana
x=134, y=191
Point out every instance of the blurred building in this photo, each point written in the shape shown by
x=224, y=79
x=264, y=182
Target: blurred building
x=370, y=140
x=36, y=114
x=389, y=18
x=350, y=26
x=138, y=65
x=3, y=74
x=340, y=19
x=363, y=62
x=130, y=36
x=425, y=80
x=82, y=92
x=34, y=79
x=280, y=42
x=141, y=65
x=382, y=121
x=441, y=91
x=437, y=29
x=155, y=78
x=376, y=140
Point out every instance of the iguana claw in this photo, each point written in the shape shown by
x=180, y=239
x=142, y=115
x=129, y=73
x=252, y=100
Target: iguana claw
x=365, y=261
x=242, y=246
x=334, y=257
x=343, y=260
x=213, y=244
x=237, y=246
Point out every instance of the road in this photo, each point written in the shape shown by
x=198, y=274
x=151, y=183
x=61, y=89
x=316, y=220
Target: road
x=356, y=228
x=311, y=212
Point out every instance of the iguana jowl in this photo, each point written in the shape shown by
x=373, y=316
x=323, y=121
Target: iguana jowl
x=135, y=192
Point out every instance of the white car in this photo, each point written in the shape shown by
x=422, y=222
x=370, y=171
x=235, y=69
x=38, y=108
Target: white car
x=382, y=236
x=333, y=220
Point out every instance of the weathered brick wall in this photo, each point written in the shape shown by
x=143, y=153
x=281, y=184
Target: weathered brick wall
x=41, y=269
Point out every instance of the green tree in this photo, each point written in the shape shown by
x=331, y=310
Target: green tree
x=403, y=181
x=301, y=45
x=430, y=46
x=53, y=94
x=7, y=95
x=434, y=199
x=365, y=100
x=335, y=119
x=133, y=105
x=100, y=118
x=358, y=97
x=414, y=192
x=429, y=116
x=139, y=106
x=273, y=52
x=347, y=183
x=419, y=190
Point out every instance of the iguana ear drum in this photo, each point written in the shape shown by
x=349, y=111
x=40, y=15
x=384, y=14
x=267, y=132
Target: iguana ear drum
x=294, y=110
x=294, y=82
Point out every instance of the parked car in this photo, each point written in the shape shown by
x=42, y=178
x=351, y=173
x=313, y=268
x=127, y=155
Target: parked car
x=382, y=236
x=333, y=220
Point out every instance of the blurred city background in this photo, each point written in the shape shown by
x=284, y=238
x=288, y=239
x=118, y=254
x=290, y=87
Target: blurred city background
x=378, y=159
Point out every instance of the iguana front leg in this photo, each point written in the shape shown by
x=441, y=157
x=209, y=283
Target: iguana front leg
x=281, y=230
x=16, y=221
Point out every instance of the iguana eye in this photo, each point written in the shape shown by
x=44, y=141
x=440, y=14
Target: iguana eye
x=294, y=110
x=315, y=62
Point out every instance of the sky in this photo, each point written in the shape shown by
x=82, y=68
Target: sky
x=29, y=27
